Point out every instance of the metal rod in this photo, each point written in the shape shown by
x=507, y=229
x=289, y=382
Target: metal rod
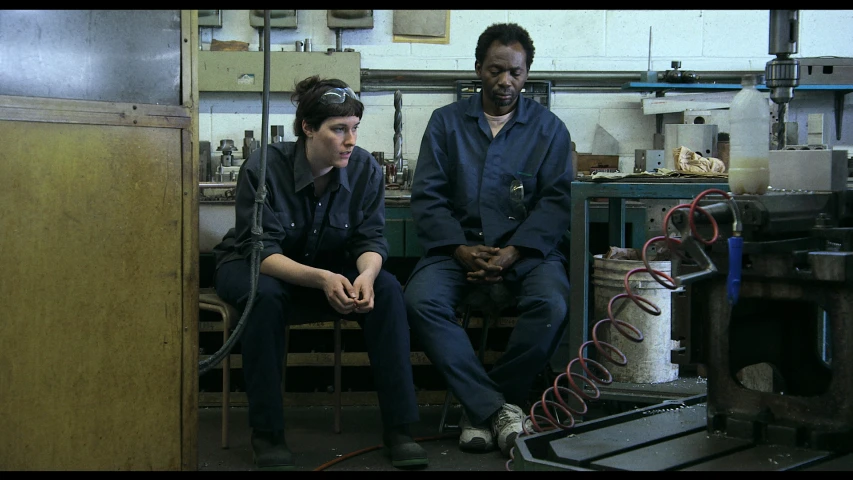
x=650, y=48
x=398, y=130
x=374, y=77
x=838, y=108
x=783, y=127
x=204, y=185
x=391, y=87
x=410, y=88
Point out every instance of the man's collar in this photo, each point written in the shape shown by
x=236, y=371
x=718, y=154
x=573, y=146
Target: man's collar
x=475, y=107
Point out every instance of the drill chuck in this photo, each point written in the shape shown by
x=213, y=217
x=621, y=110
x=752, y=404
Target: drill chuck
x=781, y=76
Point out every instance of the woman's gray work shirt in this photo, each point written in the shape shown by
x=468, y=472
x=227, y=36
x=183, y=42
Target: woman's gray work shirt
x=346, y=221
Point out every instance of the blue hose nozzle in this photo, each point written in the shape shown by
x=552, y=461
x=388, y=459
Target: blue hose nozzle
x=735, y=261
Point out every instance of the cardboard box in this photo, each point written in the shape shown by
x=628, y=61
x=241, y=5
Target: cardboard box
x=588, y=163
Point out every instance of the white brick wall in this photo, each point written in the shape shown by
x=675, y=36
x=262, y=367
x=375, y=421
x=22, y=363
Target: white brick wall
x=565, y=40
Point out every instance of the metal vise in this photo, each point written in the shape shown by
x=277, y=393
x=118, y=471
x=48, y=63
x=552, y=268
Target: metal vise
x=780, y=358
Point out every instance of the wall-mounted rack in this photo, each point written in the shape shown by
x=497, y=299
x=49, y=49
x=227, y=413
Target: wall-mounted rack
x=538, y=90
x=839, y=91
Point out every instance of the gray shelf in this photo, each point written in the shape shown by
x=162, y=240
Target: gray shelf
x=839, y=91
x=697, y=87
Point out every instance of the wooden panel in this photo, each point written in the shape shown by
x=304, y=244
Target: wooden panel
x=190, y=240
x=51, y=110
x=244, y=71
x=91, y=337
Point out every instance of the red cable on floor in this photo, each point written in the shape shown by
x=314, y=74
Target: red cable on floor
x=377, y=447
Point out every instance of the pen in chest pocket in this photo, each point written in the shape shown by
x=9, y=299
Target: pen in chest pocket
x=516, y=199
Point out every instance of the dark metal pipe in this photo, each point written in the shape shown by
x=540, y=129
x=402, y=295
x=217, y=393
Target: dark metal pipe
x=205, y=185
x=388, y=87
x=392, y=87
x=372, y=78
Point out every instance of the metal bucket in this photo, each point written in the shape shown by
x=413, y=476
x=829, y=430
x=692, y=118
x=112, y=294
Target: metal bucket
x=649, y=361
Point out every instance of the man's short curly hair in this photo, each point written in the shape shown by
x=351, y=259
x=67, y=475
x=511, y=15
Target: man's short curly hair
x=505, y=33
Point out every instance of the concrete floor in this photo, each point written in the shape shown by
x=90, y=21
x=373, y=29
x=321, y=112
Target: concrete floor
x=315, y=446
x=311, y=438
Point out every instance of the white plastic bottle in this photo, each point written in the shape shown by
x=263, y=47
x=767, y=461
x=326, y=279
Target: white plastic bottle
x=749, y=146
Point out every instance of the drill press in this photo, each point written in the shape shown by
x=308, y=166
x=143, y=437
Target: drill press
x=782, y=73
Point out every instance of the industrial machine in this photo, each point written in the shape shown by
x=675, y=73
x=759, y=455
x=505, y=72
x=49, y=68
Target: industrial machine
x=772, y=323
x=782, y=73
x=779, y=356
x=766, y=308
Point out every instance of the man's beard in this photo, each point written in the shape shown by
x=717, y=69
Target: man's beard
x=500, y=102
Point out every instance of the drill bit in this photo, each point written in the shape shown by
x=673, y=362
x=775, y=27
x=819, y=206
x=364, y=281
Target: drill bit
x=398, y=130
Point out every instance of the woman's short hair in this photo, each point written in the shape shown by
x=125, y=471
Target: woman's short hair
x=306, y=97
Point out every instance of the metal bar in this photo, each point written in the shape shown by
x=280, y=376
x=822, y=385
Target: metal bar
x=638, y=232
x=583, y=449
x=337, y=367
x=203, y=185
x=673, y=454
x=532, y=450
x=450, y=88
x=443, y=81
x=578, y=328
x=838, y=110
x=391, y=87
x=616, y=222
x=590, y=78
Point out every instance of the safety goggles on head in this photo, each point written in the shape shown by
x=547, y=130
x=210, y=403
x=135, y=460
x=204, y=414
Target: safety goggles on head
x=338, y=95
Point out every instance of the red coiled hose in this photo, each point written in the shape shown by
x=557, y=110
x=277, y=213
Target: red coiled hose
x=556, y=397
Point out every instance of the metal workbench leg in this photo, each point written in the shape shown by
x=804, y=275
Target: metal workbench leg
x=579, y=273
x=616, y=222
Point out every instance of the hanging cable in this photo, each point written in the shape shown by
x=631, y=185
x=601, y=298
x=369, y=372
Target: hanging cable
x=555, y=400
x=257, y=224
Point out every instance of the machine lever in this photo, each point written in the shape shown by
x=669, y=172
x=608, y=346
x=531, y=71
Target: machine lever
x=697, y=253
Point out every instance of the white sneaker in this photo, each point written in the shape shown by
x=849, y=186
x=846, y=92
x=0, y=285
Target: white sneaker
x=476, y=439
x=507, y=426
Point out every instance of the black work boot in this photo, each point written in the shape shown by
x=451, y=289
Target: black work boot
x=402, y=448
x=270, y=452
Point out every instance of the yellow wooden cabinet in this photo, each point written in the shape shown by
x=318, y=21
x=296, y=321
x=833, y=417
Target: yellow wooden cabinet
x=99, y=248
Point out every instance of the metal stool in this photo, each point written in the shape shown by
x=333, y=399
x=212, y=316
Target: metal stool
x=490, y=300
x=336, y=394
x=210, y=301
